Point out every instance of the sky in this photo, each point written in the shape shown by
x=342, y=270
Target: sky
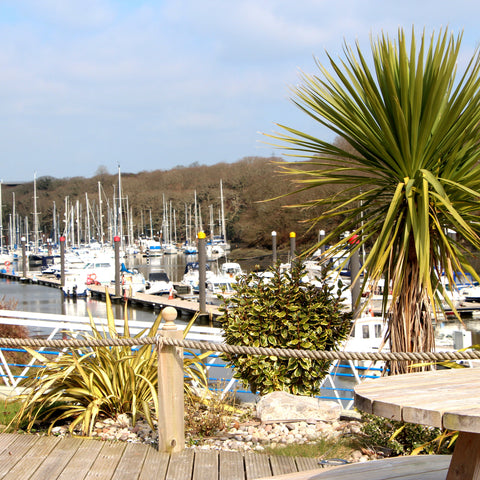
x=93, y=85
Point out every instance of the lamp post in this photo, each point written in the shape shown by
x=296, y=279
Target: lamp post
x=321, y=236
x=274, y=247
x=24, y=257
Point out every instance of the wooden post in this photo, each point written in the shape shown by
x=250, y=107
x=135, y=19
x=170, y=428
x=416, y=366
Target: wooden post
x=293, y=237
x=116, y=243
x=62, y=261
x=171, y=426
x=202, y=272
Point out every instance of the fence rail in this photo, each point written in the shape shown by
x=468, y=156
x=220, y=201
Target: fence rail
x=345, y=365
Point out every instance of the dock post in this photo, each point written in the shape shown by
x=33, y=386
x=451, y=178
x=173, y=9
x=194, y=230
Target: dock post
x=321, y=237
x=24, y=256
x=202, y=272
x=171, y=426
x=62, y=261
x=274, y=247
x=293, y=236
x=116, y=242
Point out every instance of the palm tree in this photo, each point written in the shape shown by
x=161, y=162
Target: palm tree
x=410, y=168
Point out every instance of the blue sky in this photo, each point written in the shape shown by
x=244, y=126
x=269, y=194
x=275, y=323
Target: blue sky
x=155, y=84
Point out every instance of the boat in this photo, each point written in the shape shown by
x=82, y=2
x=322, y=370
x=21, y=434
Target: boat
x=231, y=269
x=219, y=288
x=132, y=280
x=191, y=275
x=158, y=283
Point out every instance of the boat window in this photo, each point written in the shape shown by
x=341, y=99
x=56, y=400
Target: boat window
x=365, y=331
x=378, y=330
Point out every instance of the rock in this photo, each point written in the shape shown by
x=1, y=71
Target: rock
x=284, y=406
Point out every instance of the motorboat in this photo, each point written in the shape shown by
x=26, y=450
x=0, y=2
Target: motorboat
x=158, y=283
x=219, y=289
x=231, y=269
x=132, y=280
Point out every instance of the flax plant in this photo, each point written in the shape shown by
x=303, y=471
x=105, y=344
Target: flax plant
x=84, y=384
x=406, y=162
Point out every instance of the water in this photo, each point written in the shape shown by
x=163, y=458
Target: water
x=41, y=299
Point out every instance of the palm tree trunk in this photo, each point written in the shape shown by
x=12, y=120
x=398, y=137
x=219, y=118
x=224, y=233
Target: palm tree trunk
x=410, y=327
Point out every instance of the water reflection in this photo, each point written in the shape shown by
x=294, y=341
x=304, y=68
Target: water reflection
x=39, y=298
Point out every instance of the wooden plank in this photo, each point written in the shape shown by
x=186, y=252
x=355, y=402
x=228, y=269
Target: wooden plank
x=32, y=459
x=307, y=463
x=467, y=420
x=181, y=465
x=231, y=466
x=9, y=457
x=205, y=465
x=433, y=412
x=427, y=467
x=257, y=465
x=131, y=463
x=106, y=462
x=6, y=439
x=155, y=465
x=57, y=459
x=81, y=462
x=282, y=464
x=465, y=462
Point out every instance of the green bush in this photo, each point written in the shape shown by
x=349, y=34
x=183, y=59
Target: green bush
x=283, y=312
x=403, y=438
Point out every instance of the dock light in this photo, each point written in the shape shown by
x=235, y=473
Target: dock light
x=293, y=234
x=274, y=233
x=201, y=235
x=62, y=238
x=116, y=238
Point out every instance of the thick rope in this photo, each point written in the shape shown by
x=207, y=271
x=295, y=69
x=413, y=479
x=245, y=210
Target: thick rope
x=243, y=350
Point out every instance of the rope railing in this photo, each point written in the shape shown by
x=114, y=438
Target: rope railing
x=159, y=340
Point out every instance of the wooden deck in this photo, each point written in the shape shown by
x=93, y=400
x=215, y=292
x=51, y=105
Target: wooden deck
x=31, y=457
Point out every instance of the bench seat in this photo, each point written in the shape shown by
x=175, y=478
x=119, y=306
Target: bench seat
x=420, y=467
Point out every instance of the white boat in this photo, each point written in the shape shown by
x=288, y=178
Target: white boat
x=158, y=283
x=132, y=280
x=219, y=288
x=231, y=269
x=192, y=274
x=169, y=249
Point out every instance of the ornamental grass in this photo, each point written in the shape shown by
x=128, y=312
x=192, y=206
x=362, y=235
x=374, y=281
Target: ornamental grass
x=84, y=384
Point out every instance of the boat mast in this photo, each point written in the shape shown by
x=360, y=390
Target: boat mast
x=35, y=214
x=1, y=218
x=14, y=222
x=120, y=219
x=100, y=214
x=224, y=233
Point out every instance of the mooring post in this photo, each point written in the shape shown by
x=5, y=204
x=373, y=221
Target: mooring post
x=274, y=247
x=116, y=243
x=321, y=236
x=202, y=272
x=293, y=237
x=24, y=257
x=171, y=426
x=62, y=261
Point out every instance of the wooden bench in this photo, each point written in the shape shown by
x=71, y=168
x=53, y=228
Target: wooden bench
x=421, y=467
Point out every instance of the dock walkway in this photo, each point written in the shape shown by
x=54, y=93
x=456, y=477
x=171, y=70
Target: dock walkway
x=32, y=457
x=143, y=300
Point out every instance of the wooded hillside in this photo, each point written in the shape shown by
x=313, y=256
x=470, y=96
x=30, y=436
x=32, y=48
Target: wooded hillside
x=246, y=185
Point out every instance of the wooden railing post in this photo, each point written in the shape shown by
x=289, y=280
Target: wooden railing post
x=171, y=426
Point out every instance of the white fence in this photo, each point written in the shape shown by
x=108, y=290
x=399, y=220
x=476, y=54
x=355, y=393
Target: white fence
x=337, y=385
